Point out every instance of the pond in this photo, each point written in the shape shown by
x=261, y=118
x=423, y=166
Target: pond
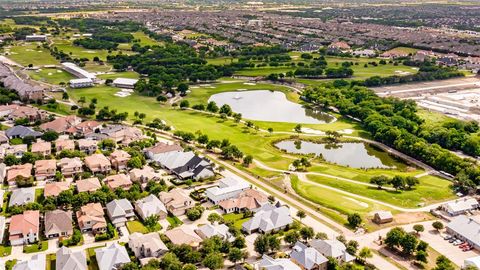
x=271, y=106
x=351, y=154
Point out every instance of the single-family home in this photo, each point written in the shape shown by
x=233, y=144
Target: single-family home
x=70, y=166
x=15, y=111
x=143, y=175
x=118, y=181
x=58, y=223
x=249, y=199
x=120, y=211
x=22, y=196
x=42, y=148
x=119, y=159
x=381, y=217
x=176, y=201
x=84, y=128
x=21, y=132
x=146, y=246
x=24, y=228
x=308, y=258
x=17, y=150
x=88, y=185
x=98, y=163
x=210, y=230
x=186, y=165
x=332, y=248
x=66, y=259
x=161, y=148
x=55, y=188
x=112, y=257
x=460, y=206
x=183, y=235
x=91, y=218
x=45, y=169
x=36, y=262
x=227, y=188
x=64, y=145
x=268, y=218
x=149, y=206
x=61, y=124
x=22, y=171
x=87, y=146
x=269, y=263
x=121, y=134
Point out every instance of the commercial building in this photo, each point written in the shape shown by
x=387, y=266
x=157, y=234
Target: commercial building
x=77, y=71
x=36, y=38
x=80, y=83
x=125, y=83
x=465, y=229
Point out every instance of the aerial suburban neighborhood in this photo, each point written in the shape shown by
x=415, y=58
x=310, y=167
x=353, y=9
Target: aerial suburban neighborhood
x=246, y=135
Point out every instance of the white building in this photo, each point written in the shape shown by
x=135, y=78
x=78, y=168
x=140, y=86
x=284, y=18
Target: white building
x=80, y=83
x=125, y=83
x=228, y=188
x=78, y=72
x=36, y=38
x=458, y=207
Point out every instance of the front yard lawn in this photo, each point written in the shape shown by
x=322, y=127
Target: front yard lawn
x=5, y=250
x=91, y=259
x=41, y=246
x=136, y=226
x=174, y=221
x=237, y=219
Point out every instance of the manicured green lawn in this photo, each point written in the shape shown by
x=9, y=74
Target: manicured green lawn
x=91, y=259
x=144, y=39
x=237, y=219
x=174, y=221
x=42, y=246
x=5, y=250
x=136, y=226
x=51, y=75
x=67, y=46
x=29, y=53
x=430, y=190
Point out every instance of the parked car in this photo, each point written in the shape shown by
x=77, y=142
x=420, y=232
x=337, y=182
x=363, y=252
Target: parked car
x=447, y=237
x=468, y=248
x=451, y=240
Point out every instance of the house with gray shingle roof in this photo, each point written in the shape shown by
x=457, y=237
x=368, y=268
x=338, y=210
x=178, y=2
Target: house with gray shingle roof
x=332, y=248
x=267, y=219
x=149, y=206
x=211, y=230
x=66, y=259
x=111, y=257
x=269, y=263
x=21, y=132
x=22, y=196
x=146, y=246
x=120, y=211
x=307, y=257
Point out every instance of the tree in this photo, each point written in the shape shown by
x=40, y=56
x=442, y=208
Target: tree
x=301, y=214
x=352, y=247
x=332, y=264
x=354, y=220
x=225, y=109
x=151, y=222
x=321, y=235
x=65, y=96
x=235, y=254
x=237, y=117
x=170, y=261
x=379, y=180
x=184, y=104
x=394, y=237
x=215, y=217
x=421, y=256
x=307, y=233
x=443, y=263
x=437, y=225
x=398, y=182
x=298, y=128
x=182, y=88
x=365, y=253
x=291, y=237
x=418, y=228
x=212, y=107
x=195, y=212
x=213, y=261
x=202, y=139
x=266, y=243
x=135, y=162
x=270, y=130
x=247, y=160
x=408, y=244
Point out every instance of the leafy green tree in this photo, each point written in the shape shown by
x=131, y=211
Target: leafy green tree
x=212, y=107
x=307, y=233
x=151, y=222
x=437, y=225
x=213, y=261
x=184, y=104
x=247, y=160
x=266, y=243
x=418, y=228
x=235, y=255
x=298, y=128
x=215, y=217
x=379, y=180
x=365, y=253
x=195, y=213
x=394, y=237
x=354, y=220
x=443, y=263
x=408, y=244
x=421, y=256
x=135, y=162
x=291, y=237
x=301, y=214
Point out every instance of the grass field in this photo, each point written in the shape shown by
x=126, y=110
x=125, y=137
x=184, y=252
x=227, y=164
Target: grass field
x=237, y=219
x=30, y=53
x=136, y=226
x=51, y=75
x=174, y=221
x=41, y=246
x=145, y=40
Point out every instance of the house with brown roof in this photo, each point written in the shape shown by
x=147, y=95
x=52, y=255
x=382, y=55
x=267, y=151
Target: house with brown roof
x=121, y=134
x=88, y=146
x=98, y=163
x=249, y=199
x=58, y=223
x=91, y=218
x=119, y=159
x=184, y=235
x=45, y=169
x=42, y=148
x=17, y=150
x=55, y=188
x=70, y=166
x=88, y=185
x=143, y=175
x=14, y=112
x=161, y=148
x=61, y=124
x=84, y=128
x=22, y=171
x=118, y=181
x=24, y=228
x=176, y=201
x=64, y=144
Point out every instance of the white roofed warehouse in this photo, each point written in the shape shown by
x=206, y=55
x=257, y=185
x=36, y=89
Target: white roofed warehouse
x=466, y=229
x=78, y=71
x=125, y=83
x=80, y=83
